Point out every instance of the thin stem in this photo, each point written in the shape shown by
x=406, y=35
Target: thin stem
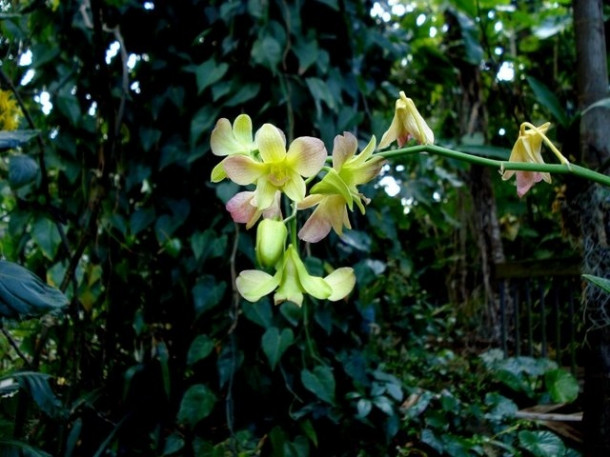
x=548, y=142
x=501, y=165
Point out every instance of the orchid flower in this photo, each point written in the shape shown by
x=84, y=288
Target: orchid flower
x=227, y=140
x=278, y=169
x=292, y=281
x=527, y=149
x=338, y=190
x=407, y=123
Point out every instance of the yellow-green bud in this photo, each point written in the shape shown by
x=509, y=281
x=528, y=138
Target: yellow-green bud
x=270, y=241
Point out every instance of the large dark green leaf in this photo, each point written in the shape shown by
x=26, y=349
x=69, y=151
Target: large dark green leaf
x=549, y=100
x=14, y=448
x=541, y=443
x=37, y=385
x=562, y=386
x=23, y=294
x=321, y=382
x=22, y=170
x=197, y=403
x=275, y=344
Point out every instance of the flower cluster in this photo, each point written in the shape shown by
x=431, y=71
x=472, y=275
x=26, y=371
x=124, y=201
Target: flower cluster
x=9, y=111
x=273, y=169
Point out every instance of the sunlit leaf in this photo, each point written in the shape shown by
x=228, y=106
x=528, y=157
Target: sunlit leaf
x=562, y=385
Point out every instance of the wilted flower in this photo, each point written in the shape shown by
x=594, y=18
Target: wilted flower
x=338, y=190
x=292, y=280
x=407, y=123
x=527, y=149
x=279, y=169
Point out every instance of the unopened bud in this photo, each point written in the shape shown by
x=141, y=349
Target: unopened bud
x=270, y=241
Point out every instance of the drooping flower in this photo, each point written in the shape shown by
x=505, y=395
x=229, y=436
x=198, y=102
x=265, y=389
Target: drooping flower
x=527, y=149
x=278, y=169
x=292, y=281
x=244, y=211
x=338, y=190
x=227, y=140
x=407, y=123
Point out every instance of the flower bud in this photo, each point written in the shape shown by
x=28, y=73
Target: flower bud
x=270, y=241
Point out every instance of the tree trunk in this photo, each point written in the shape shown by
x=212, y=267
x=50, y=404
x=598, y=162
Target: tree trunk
x=594, y=207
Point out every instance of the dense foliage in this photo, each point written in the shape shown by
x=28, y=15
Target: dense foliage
x=106, y=195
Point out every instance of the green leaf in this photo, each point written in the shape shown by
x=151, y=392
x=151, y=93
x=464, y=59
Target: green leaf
x=197, y=404
x=23, y=294
x=364, y=407
x=140, y=219
x=245, y=92
x=307, y=53
x=173, y=444
x=14, y=448
x=549, y=100
x=69, y=107
x=320, y=382
x=541, y=443
x=46, y=236
x=22, y=170
x=599, y=282
x=260, y=312
x=208, y=73
x=200, y=348
x=320, y=93
x=275, y=344
x=148, y=137
x=562, y=386
x=37, y=385
x=15, y=138
x=207, y=294
x=267, y=52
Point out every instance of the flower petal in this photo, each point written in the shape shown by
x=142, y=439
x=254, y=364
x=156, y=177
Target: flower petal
x=309, y=201
x=295, y=186
x=271, y=143
x=255, y=284
x=218, y=173
x=525, y=181
x=342, y=282
x=316, y=227
x=222, y=140
x=264, y=194
x=306, y=155
x=241, y=208
x=333, y=183
x=243, y=170
x=313, y=285
x=242, y=129
x=344, y=148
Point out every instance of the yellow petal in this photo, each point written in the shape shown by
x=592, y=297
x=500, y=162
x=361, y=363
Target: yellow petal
x=242, y=169
x=306, y=155
x=271, y=143
x=255, y=284
x=342, y=282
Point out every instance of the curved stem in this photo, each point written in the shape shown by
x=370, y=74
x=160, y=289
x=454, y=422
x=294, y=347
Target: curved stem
x=501, y=165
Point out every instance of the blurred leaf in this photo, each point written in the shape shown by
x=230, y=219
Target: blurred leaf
x=549, y=100
x=541, y=443
x=200, y=348
x=260, y=312
x=207, y=294
x=209, y=72
x=22, y=170
x=37, y=385
x=23, y=294
x=15, y=138
x=603, y=283
x=320, y=382
x=173, y=444
x=14, y=448
x=562, y=386
x=141, y=219
x=603, y=103
x=364, y=407
x=197, y=404
x=267, y=52
x=46, y=235
x=275, y=344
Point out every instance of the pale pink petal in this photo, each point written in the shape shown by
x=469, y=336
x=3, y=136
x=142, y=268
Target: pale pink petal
x=243, y=170
x=315, y=228
x=344, y=148
x=306, y=155
x=274, y=211
x=240, y=207
x=525, y=181
x=309, y=201
x=271, y=143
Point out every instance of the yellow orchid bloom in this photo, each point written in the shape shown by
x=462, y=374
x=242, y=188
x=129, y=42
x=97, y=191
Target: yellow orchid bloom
x=407, y=123
x=278, y=169
x=292, y=281
x=527, y=149
x=338, y=190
